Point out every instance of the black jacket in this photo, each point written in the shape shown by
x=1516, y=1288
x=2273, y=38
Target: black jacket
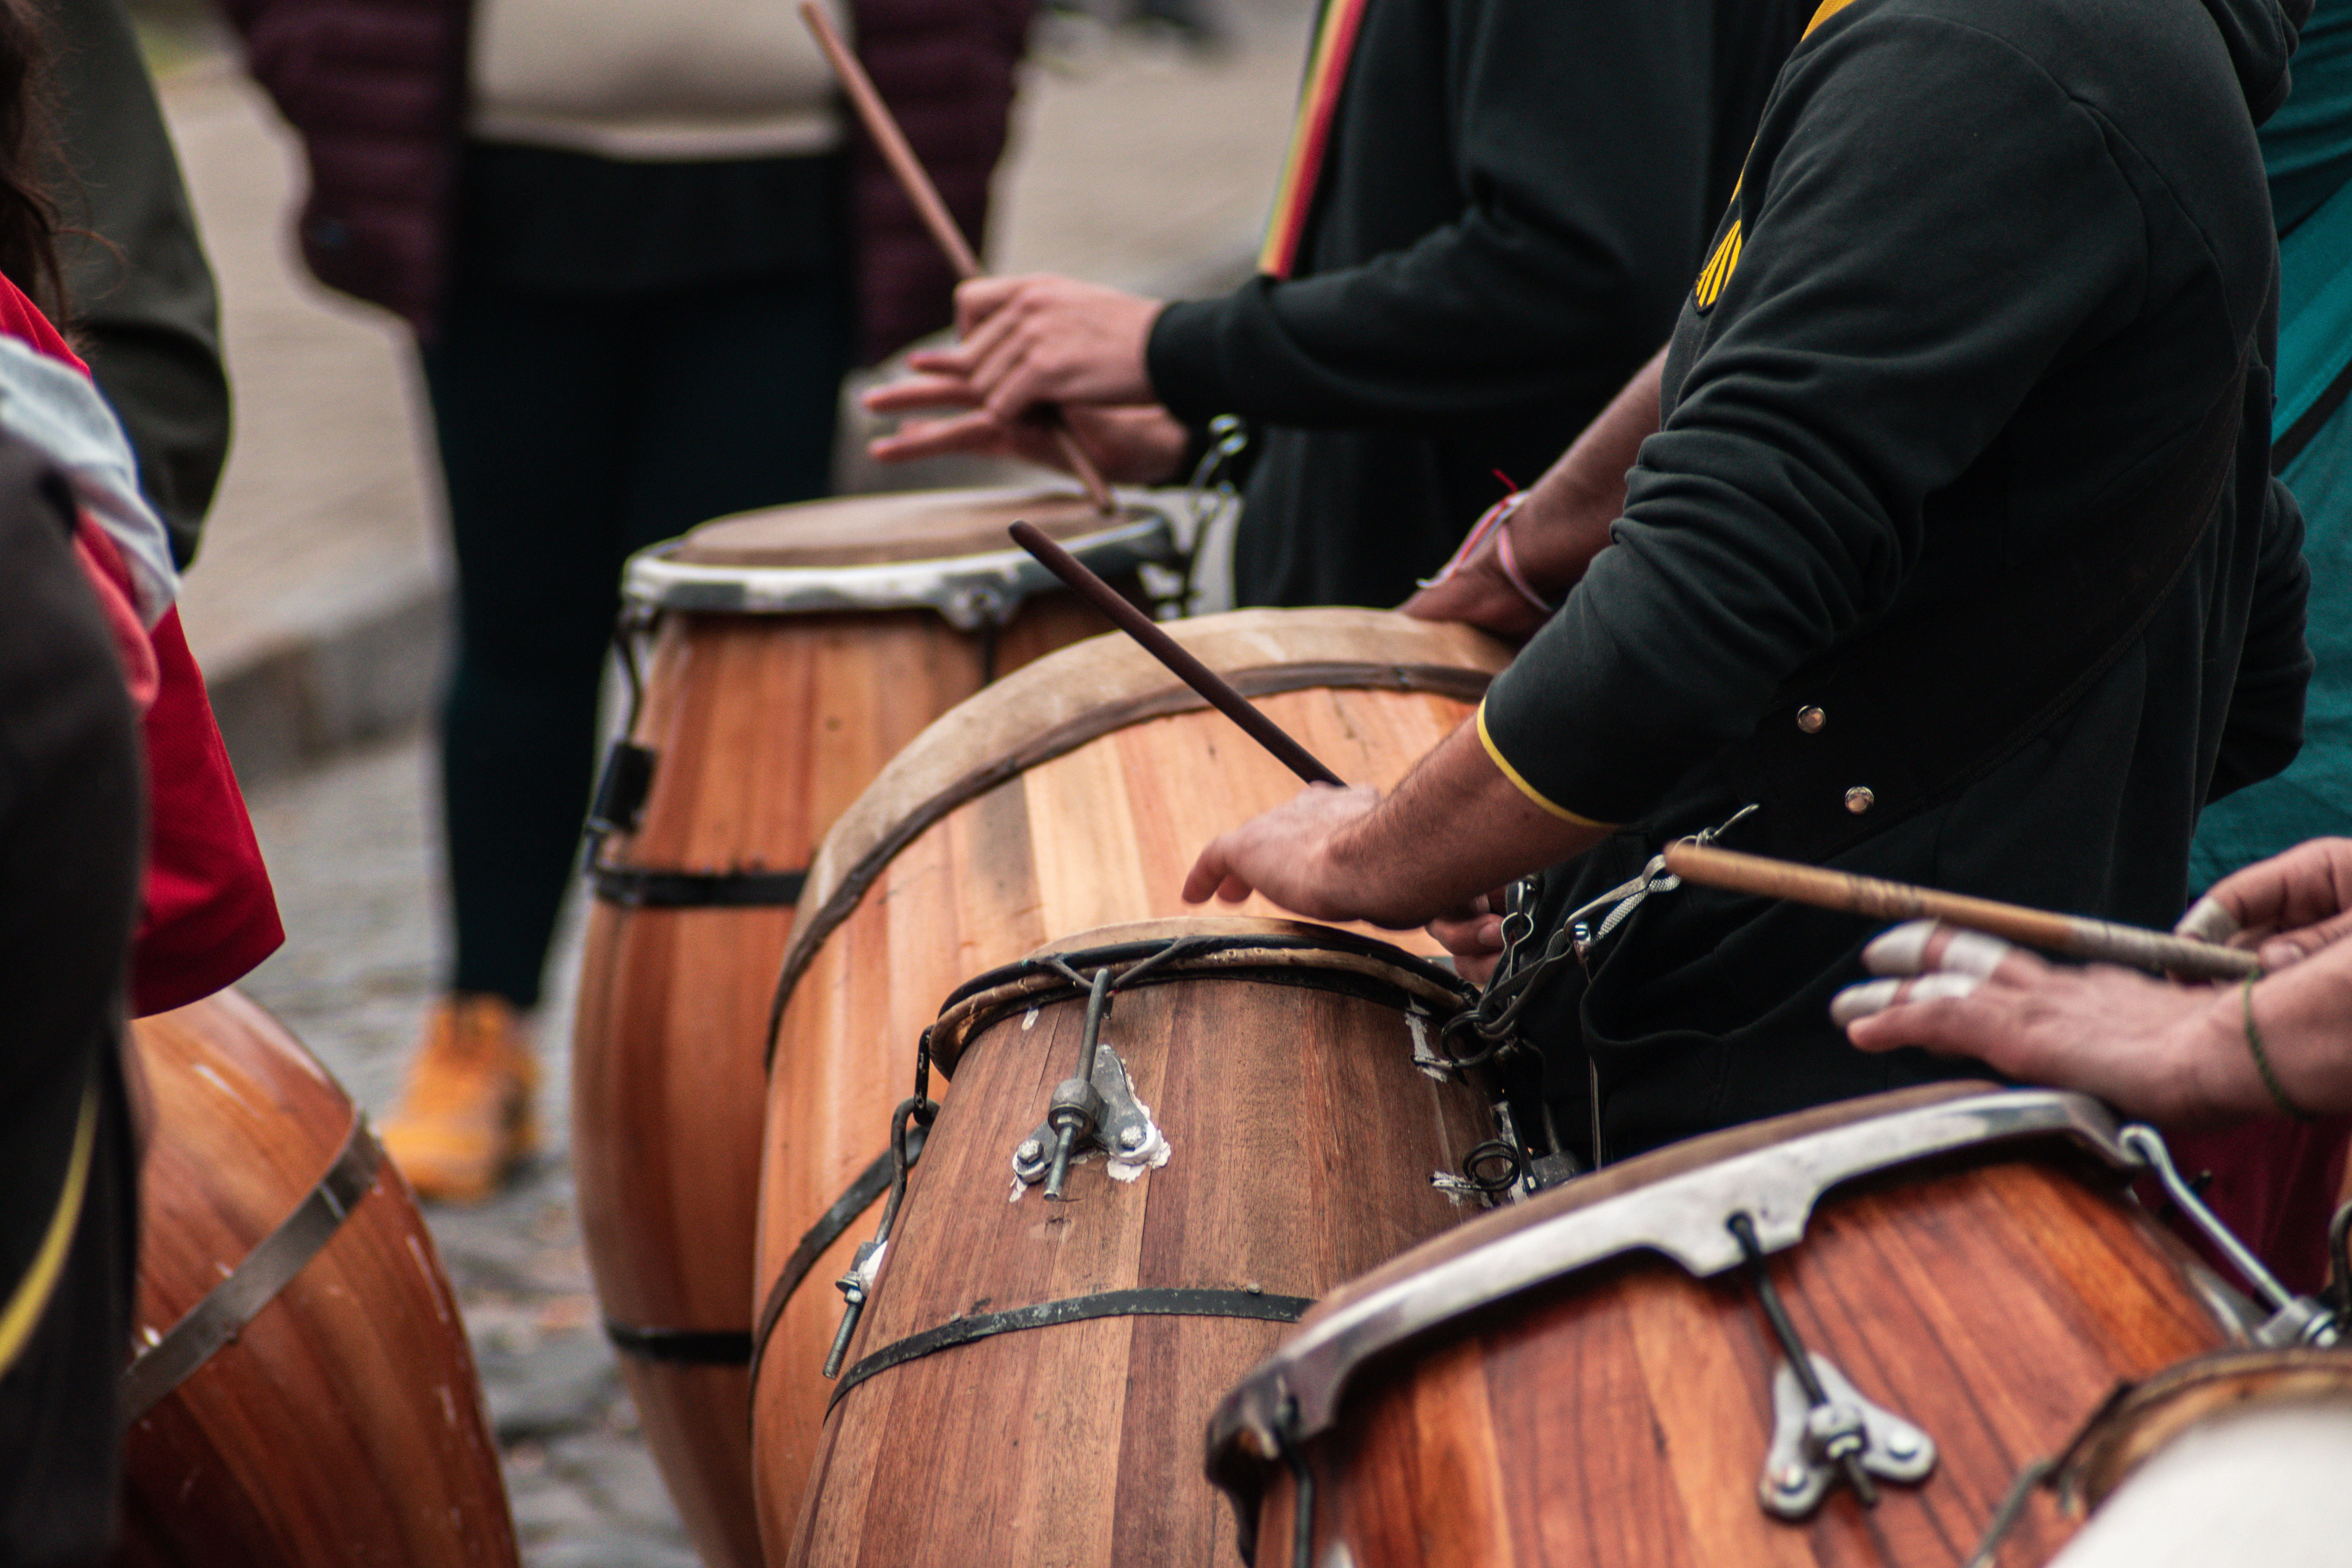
x=1516, y=193
x=1989, y=262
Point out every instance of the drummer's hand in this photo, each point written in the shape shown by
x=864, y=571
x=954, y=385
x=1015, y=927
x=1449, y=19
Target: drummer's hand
x=1130, y=446
x=2146, y=1045
x=2285, y=908
x=1042, y=338
x=1286, y=855
x=1474, y=935
x=1474, y=593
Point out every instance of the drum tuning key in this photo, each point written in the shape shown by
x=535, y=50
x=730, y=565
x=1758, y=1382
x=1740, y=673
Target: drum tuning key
x=1095, y=1107
x=1823, y=1430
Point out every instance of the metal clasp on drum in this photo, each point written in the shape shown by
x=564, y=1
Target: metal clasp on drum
x=1103, y=1115
x=1812, y=1441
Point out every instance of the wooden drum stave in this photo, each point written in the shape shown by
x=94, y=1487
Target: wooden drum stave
x=1591, y=1377
x=303, y=1392
x=1069, y=796
x=793, y=652
x=1030, y=1378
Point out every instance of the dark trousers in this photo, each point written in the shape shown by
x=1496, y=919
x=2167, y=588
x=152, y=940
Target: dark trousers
x=574, y=431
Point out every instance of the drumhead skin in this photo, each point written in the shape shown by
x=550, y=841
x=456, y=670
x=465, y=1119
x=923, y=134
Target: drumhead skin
x=1069, y=796
x=1962, y=1254
x=2236, y=1457
x=942, y=550
x=1018, y=1349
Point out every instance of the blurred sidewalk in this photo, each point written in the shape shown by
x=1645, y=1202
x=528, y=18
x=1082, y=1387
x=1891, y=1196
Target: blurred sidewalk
x=319, y=605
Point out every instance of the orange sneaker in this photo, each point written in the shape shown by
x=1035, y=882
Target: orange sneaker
x=465, y=1118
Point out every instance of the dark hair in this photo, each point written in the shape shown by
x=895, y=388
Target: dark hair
x=28, y=212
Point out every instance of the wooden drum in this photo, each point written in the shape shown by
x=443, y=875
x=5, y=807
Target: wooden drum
x=1603, y=1375
x=302, y=1392
x=2234, y=1457
x=1069, y=796
x=1029, y=1380
x=795, y=651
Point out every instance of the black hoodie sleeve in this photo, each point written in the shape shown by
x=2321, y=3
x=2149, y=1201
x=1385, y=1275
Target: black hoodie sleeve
x=1580, y=141
x=2264, y=728
x=1894, y=302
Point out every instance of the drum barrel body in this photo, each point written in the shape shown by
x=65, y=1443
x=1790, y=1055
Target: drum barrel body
x=342, y=1422
x=1301, y=1135
x=1071, y=796
x=1622, y=1416
x=763, y=728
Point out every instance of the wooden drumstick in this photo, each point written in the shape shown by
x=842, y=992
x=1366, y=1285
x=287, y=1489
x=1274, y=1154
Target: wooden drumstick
x=1173, y=653
x=2073, y=935
x=883, y=126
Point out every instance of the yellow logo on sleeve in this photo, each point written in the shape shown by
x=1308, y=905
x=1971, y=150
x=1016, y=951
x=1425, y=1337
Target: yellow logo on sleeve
x=1719, y=269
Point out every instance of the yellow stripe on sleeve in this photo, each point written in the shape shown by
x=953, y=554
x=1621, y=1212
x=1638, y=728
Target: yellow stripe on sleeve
x=1495, y=754
x=31, y=1297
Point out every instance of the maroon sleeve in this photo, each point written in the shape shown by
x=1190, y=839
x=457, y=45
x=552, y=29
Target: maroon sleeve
x=376, y=89
x=946, y=68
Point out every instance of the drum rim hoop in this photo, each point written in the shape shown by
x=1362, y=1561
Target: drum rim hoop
x=971, y=591
x=2144, y=1418
x=1296, y=1392
x=1272, y=957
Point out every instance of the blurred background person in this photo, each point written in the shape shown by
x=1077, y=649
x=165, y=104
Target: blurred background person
x=639, y=251
x=1489, y=214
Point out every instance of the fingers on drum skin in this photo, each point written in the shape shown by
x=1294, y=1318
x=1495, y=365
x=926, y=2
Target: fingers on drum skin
x=1916, y=946
x=1859, y=1002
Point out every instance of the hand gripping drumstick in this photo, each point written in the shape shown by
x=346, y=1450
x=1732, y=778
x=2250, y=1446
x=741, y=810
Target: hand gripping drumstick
x=1171, y=652
x=2073, y=935
x=883, y=127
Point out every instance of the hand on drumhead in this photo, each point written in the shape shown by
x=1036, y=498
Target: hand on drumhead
x=1130, y=446
x=1043, y=339
x=1286, y=854
x=1474, y=935
x=2284, y=909
x=2144, y=1045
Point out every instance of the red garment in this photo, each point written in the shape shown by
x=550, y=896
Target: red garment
x=376, y=88
x=210, y=913
x=2273, y=1183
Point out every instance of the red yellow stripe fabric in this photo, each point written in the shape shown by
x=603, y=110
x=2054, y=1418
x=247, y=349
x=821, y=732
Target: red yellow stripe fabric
x=1318, y=103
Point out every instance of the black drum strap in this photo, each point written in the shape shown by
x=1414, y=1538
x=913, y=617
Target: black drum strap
x=255, y=1283
x=681, y=1347
x=1163, y=1302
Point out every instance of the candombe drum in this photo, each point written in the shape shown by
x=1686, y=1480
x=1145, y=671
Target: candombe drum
x=793, y=652
x=1165, y=1141
x=301, y=1391
x=1723, y=1350
x=2235, y=1457
x=1069, y=796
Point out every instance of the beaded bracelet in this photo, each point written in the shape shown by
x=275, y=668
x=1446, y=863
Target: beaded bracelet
x=2263, y=1060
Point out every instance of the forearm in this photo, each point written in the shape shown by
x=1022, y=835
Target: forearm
x=1564, y=522
x=1454, y=828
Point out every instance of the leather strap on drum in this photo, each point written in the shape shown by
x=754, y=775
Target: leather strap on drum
x=647, y=887
x=870, y=1184
x=255, y=1283
x=1161, y=1302
x=682, y=1347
